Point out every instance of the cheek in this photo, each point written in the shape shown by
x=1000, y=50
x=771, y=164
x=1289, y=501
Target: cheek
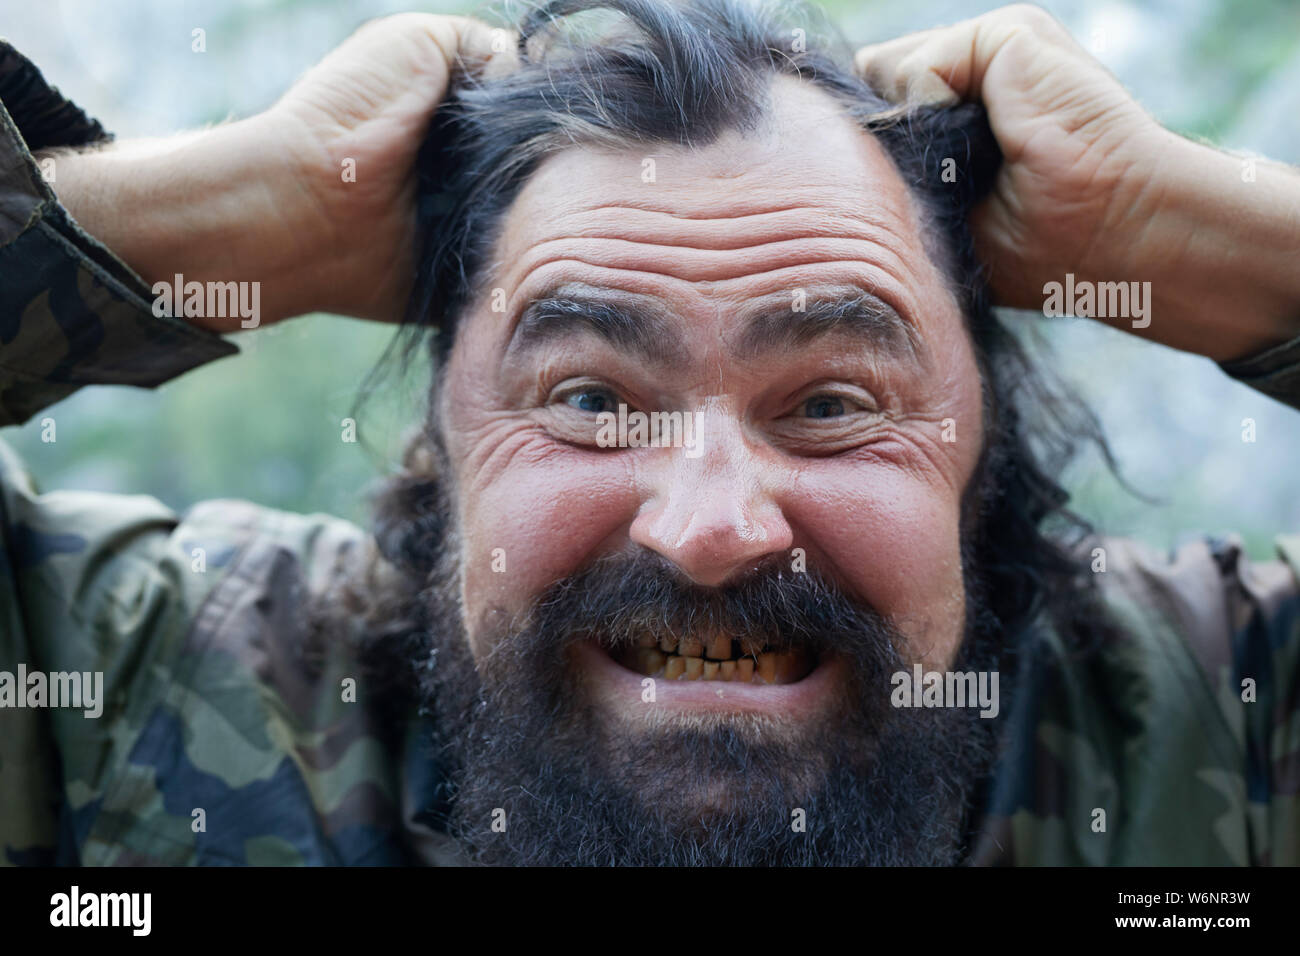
x=537, y=517
x=894, y=540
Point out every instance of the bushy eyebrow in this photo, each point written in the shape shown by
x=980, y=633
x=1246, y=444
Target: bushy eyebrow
x=621, y=323
x=853, y=312
x=643, y=329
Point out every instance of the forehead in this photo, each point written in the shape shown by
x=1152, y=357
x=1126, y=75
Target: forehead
x=807, y=201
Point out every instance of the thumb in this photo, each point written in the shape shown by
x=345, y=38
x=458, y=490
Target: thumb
x=896, y=73
x=482, y=49
x=947, y=64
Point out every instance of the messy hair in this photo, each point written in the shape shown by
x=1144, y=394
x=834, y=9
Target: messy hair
x=624, y=73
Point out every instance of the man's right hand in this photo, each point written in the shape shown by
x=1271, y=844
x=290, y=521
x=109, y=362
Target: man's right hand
x=266, y=199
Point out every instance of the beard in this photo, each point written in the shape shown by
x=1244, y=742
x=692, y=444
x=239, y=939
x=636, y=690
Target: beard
x=540, y=776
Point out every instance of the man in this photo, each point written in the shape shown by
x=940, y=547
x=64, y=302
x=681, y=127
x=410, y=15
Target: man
x=826, y=614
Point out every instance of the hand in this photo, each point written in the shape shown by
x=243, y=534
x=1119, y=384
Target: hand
x=1092, y=185
x=266, y=200
x=1076, y=146
x=367, y=105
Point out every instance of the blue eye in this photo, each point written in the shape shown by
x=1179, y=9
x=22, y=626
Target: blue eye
x=591, y=400
x=823, y=406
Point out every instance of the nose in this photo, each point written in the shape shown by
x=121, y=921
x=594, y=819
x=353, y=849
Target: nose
x=714, y=514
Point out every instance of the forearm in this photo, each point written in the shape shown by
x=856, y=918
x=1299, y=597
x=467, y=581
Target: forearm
x=71, y=313
x=216, y=205
x=1220, y=245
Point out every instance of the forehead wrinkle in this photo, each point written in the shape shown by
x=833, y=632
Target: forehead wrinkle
x=624, y=234
x=703, y=212
x=712, y=249
x=605, y=239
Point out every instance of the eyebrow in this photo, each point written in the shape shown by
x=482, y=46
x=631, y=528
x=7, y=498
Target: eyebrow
x=646, y=330
x=851, y=311
x=623, y=324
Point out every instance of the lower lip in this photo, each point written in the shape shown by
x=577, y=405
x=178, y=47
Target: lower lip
x=625, y=688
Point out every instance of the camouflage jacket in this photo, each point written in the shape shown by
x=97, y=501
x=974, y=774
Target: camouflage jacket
x=205, y=705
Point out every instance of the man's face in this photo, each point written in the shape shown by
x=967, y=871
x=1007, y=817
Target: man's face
x=838, y=444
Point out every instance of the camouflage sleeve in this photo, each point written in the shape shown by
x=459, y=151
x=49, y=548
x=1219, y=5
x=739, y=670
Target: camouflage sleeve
x=1232, y=781
x=71, y=313
x=1173, y=738
x=93, y=590
x=1275, y=372
x=1255, y=675
x=1182, y=726
x=163, y=696
x=92, y=587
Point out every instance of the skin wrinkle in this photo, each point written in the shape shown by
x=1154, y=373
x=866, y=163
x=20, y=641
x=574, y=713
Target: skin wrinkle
x=732, y=232
x=897, y=272
x=730, y=237
x=533, y=717
x=624, y=208
x=703, y=272
x=759, y=519
x=872, y=497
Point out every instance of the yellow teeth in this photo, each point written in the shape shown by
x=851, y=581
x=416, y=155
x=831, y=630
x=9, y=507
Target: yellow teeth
x=690, y=659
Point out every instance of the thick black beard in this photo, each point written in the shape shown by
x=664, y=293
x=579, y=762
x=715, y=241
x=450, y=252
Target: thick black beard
x=877, y=785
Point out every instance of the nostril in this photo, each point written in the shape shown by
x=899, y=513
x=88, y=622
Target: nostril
x=712, y=529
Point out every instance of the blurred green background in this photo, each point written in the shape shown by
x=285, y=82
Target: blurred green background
x=267, y=425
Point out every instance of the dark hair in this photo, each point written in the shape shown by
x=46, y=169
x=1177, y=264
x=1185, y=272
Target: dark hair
x=656, y=71
x=687, y=73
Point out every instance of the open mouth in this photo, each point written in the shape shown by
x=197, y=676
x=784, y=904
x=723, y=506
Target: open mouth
x=742, y=661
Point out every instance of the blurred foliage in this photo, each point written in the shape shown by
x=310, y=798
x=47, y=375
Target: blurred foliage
x=268, y=425
x=1241, y=45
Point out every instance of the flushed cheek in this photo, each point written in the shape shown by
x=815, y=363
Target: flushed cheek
x=893, y=539
x=535, y=520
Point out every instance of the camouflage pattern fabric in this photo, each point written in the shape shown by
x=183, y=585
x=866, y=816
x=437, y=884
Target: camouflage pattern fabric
x=209, y=705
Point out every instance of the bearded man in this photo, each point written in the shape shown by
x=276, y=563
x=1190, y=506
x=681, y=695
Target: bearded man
x=848, y=619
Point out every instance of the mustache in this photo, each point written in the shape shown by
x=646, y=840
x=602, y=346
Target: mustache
x=619, y=598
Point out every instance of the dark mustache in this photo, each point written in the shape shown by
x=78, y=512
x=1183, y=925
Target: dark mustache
x=620, y=597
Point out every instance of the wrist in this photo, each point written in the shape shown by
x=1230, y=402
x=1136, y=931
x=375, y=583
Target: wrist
x=213, y=205
x=1217, y=240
